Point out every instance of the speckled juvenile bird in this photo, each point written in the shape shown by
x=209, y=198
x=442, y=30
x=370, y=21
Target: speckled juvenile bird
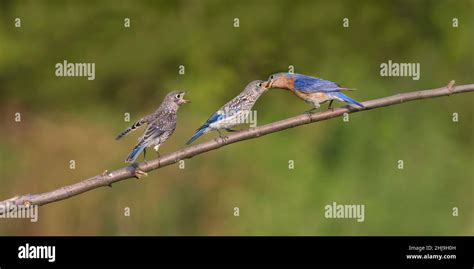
x=311, y=89
x=161, y=125
x=234, y=112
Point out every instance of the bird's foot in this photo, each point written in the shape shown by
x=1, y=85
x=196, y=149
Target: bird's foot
x=224, y=138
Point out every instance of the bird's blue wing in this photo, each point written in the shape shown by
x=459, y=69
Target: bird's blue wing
x=213, y=118
x=135, y=152
x=347, y=99
x=311, y=84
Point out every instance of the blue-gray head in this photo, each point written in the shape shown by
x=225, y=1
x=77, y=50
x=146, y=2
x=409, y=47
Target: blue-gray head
x=281, y=80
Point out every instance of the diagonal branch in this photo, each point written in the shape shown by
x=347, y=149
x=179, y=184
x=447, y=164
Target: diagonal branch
x=106, y=179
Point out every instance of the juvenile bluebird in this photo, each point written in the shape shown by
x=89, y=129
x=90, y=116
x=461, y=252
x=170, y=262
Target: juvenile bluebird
x=312, y=90
x=161, y=125
x=234, y=112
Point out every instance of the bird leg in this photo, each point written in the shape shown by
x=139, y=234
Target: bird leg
x=309, y=112
x=221, y=136
x=330, y=104
x=144, y=155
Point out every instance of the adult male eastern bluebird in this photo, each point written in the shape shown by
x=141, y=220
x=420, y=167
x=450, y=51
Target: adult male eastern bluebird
x=161, y=125
x=234, y=112
x=312, y=90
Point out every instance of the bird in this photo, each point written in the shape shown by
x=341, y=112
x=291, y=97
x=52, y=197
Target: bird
x=311, y=89
x=160, y=125
x=234, y=112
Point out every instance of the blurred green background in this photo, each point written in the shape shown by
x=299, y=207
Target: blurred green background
x=351, y=162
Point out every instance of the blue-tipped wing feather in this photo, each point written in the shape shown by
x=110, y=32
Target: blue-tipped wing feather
x=198, y=133
x=135, y=152
x=347, y=99
x=213, y=118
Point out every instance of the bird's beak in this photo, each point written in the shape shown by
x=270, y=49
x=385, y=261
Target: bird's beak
x=269, y=84
x=184, y=101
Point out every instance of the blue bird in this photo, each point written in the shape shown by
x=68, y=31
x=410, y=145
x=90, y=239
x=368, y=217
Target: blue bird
x=234, y=112
x=311, y=89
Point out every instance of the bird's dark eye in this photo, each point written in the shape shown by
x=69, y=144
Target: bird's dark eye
x=271, y=77
x=178, y=95
x=259, y=84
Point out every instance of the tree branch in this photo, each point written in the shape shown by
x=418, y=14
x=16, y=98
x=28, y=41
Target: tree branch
x=106, y=179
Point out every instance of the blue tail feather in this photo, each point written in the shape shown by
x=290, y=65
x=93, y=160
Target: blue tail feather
x=135, y=152
x=347, y=99
x=197, y=134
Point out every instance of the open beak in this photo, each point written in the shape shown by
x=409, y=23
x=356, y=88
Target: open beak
x=184, y=101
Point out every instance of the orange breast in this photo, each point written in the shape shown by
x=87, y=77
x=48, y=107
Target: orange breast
x=287, y=83
x=319, y=97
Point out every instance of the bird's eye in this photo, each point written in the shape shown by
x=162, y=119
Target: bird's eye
x=178, y=95
x=259, y=84
x=272, y=77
